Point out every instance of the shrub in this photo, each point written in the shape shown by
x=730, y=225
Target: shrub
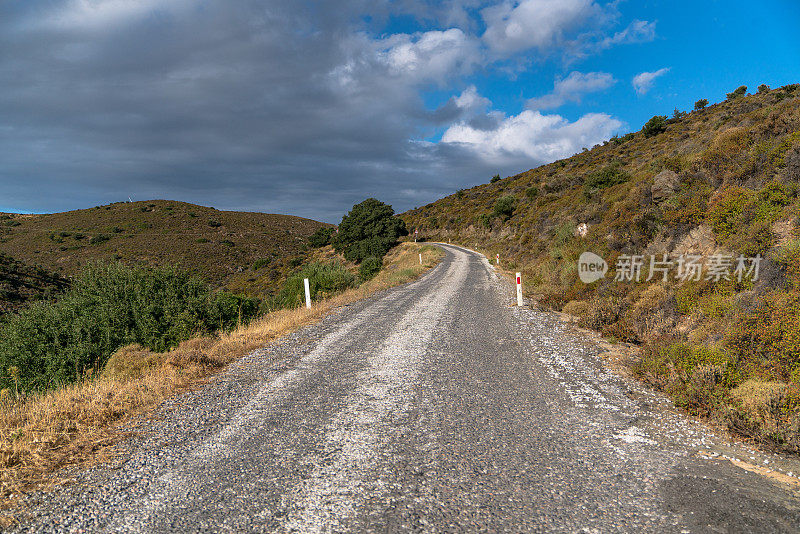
x=655, y=126
x=606, y=177
x=738, y=92
x=459, y=194
x=678, y=114
x=369, y=268
x=504, y=207
x=485, y=220
x=369, y=229
x=261, y=262
x=109, y=306
x=700, y=104
x=214, y=224
x=324, y=280
x=725, y=209
x=100, y=238
x=321, y=237
x=495, y=178
x=532, y=192
x=763, y=88
x=767, y=340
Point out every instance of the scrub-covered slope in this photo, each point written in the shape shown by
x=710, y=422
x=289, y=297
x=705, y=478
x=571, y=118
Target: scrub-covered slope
x=716, y=190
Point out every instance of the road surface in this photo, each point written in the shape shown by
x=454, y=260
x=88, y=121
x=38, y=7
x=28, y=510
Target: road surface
x=432, y=407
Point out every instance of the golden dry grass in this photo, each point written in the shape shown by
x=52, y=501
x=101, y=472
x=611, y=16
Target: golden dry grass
x=76, y=425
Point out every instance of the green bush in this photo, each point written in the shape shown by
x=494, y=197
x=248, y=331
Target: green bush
x=100, y=238
x=700, y=104
x=655, y=126
x=738, y=92
x=495, y=178
x=460, y=194
x=485, y=220
x=321, y=237
x=109, y=306
x=532, y=192
x=324, y=280
x=369, y=229
x=606, y=177
x=261, y=262
x=763, y=88
x=369, y=268
x=504, y=207
x=214, y=224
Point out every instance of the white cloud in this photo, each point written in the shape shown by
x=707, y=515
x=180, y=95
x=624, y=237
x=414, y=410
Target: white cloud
x=571, y=88
x=430, y=56
x=470, y=100
x=532, y=135
x=638, y=31
x=530, y=24
x=643, y=81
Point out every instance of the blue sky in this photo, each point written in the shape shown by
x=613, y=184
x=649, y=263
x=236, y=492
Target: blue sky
x=308, y=107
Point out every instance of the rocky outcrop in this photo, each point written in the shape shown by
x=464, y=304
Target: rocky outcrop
x=665, y=184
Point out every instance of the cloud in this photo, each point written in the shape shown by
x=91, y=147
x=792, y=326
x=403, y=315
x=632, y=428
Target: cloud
x=468, y=103
x=572, y=88
x=644, y=81
x=638, y=31
x=264, y=106
x=99, y=14
x=513, y=27
x=431, y=56
x=532, y=136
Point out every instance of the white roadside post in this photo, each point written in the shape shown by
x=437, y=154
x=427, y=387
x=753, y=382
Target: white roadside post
x=497, y=259
x=519, y=289
x=420, y=259
x=308, y=293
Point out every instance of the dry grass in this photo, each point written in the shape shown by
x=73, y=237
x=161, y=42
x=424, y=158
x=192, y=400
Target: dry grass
x=75, y=425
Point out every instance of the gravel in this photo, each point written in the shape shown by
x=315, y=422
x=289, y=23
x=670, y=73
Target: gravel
x=434, y=407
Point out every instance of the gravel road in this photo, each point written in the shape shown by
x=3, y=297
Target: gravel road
x=435, y=407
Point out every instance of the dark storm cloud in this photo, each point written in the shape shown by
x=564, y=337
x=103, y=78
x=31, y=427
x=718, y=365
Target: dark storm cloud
x=269, y=106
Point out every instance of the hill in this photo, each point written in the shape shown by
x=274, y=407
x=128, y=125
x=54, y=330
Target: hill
x=717, y=190
x=245, y=252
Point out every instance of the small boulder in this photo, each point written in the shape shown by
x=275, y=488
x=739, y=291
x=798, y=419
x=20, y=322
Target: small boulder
x=665, y=184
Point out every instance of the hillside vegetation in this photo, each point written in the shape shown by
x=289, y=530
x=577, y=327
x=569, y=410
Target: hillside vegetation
x=21, y=283
x=245, y=252
x=721, y=181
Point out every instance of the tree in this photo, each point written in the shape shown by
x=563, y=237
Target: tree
x=678, y=114
x=739, y=92
x=700, y=104
x=504, y=207
x=495, y=178
x=321, y=237
x=655, y=126
x=763, y=88
x=370, y=229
